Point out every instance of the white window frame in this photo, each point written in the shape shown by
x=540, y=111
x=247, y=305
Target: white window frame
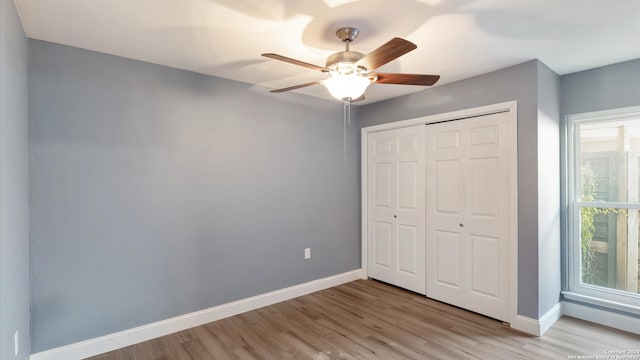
x=597, y=295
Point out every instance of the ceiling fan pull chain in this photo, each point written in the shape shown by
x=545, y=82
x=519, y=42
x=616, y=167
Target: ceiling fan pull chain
x=346, y=119
x=344, y=123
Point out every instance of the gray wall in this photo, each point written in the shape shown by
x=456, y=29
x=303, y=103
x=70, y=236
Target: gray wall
x=608, y=87
x=513, y=83
x=14, y=182
x=548, y=189
x=157, y=192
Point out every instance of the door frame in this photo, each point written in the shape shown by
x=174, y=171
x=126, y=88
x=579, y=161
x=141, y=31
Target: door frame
x=512, y=108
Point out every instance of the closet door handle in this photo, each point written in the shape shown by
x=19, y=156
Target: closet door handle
x=395, y=216
x=461, y=225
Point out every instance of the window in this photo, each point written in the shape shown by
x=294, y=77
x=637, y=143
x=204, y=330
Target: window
x=604, y=183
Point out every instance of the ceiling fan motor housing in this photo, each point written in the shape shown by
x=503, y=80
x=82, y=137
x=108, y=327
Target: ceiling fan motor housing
x=343, y=62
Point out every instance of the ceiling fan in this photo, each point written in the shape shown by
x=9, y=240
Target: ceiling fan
x=352, y=72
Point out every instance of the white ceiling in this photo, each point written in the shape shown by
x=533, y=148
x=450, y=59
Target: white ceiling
x=456, y=38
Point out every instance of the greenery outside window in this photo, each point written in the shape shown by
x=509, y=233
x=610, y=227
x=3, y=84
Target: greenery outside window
x=604, y=184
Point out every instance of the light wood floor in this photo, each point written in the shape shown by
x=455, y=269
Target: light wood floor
x=367, y=319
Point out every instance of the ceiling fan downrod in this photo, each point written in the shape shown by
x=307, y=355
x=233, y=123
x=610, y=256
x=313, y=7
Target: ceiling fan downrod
x=347, y=35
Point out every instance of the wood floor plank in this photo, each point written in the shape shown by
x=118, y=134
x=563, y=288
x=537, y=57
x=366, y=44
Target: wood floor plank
x=367, y=319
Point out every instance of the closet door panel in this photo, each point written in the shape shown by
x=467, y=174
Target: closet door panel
x=382, y=185
x=447, y=273
x=382, y=244
x=467, y=214
x=447, y=189
x=408, y=179
x=396, y=188
x=485, y=260
x=483, y=187
x=408, y=250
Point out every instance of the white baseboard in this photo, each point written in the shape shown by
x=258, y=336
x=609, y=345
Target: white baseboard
x=540, y=326
x=607, y=318
x=526, y=325
x=96, y=346
x=550, y=317
x=100, y=345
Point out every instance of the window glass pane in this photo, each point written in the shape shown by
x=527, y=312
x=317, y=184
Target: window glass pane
x=609, y=248
x=608, y=154
x=604, y=240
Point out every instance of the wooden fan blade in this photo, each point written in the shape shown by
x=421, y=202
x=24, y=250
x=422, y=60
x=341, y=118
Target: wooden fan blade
x=294, y=61
x=295, y=87
x=389, y=51
x=404, y=79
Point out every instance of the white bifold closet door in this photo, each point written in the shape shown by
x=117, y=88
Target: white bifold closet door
x=396, y=207
x=468, y=218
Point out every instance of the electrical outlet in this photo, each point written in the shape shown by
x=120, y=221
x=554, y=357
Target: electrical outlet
x=307, y=253
x=16, y=343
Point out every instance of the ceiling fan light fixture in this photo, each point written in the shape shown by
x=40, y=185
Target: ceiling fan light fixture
x=346, y=86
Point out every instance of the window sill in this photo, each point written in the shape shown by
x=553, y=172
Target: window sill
x=602, y=302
